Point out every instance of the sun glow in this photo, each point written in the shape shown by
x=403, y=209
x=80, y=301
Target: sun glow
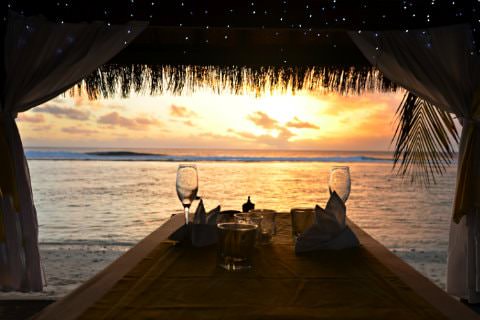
x=207, y=120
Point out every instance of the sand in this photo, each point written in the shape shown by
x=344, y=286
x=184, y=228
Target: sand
x=68, y=266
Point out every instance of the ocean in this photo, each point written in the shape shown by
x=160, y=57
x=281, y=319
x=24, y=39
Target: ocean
x=110, y=199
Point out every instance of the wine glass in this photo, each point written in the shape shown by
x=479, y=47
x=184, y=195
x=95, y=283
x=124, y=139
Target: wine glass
x=187, y=186
x=340, y=182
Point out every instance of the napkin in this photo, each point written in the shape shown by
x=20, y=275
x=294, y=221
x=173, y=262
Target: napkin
x=201, y=231
x=201, y=217
x=330, y=231
x=204, y=226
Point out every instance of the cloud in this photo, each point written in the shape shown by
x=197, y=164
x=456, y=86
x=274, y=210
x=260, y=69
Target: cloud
x=34, y=118
x=297, y=123
x=261, y=119
x=42, y=128
x=63, y=112
x=181, y=112
x=189, y=123
x=77, y=130
x=212, y=135
x=244, y=134
x=146, y=121
x=115, y=119
x=336, y=105
x=82, y=101
x=281, y=139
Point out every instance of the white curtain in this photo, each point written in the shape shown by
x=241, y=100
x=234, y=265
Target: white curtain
x=441, y=66
x=42, y=59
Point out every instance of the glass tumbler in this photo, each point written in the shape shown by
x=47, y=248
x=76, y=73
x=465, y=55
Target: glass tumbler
x=267, y=228
x=236, y=243
x=302, y=219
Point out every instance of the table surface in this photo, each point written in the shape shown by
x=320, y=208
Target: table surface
x=181, y=282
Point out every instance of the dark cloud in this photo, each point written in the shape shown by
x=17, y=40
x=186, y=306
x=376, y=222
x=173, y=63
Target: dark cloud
x=115, y=119
x=297, y=123
x=77, y=130
x=34, y=118
x=63, y=112
x=261, y=119
x=181, y=112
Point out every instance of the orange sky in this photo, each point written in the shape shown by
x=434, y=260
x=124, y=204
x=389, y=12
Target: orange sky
x=203, y=119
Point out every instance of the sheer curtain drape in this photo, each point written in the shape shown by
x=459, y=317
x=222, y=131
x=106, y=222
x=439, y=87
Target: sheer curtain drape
x=439, y=65
x=42, y=59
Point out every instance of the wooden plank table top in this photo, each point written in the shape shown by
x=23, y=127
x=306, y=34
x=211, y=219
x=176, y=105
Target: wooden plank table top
x=156, y=280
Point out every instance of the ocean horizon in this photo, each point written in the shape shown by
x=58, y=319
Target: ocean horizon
x=201, y=154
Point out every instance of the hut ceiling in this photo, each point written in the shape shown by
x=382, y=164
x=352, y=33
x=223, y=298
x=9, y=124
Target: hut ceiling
x=253, y=32
x=281, y=43
x=349, y=14
x=242, y=46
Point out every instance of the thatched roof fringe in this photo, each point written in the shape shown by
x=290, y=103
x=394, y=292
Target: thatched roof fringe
x=111, y=80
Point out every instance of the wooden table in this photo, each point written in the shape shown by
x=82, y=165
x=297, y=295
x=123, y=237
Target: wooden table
x=156, y=280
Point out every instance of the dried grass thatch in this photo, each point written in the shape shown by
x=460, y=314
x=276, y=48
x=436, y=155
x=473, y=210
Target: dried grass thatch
x=114, y=80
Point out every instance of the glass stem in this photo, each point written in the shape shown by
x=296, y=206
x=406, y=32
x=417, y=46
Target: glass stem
x=187, y=209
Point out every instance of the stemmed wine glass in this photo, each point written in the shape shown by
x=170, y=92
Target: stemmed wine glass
x=340, y=182
x=187, y=186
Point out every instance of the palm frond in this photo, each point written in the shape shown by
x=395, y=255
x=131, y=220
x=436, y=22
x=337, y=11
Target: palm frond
x=425, y=140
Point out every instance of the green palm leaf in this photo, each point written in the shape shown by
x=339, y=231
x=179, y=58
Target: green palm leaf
x=425, y=140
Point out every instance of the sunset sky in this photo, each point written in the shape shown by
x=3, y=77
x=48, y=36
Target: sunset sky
x=206, y=120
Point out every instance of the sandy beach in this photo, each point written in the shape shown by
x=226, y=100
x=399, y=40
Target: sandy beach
x=68, y=266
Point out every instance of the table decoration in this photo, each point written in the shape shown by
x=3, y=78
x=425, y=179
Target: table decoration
x=203, y=228
x=248, y=206
x=201, y=232
x=329, y=232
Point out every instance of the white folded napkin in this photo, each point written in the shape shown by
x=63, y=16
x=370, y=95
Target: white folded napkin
x=204, y=226
x=329, y=231
x=201, y=217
